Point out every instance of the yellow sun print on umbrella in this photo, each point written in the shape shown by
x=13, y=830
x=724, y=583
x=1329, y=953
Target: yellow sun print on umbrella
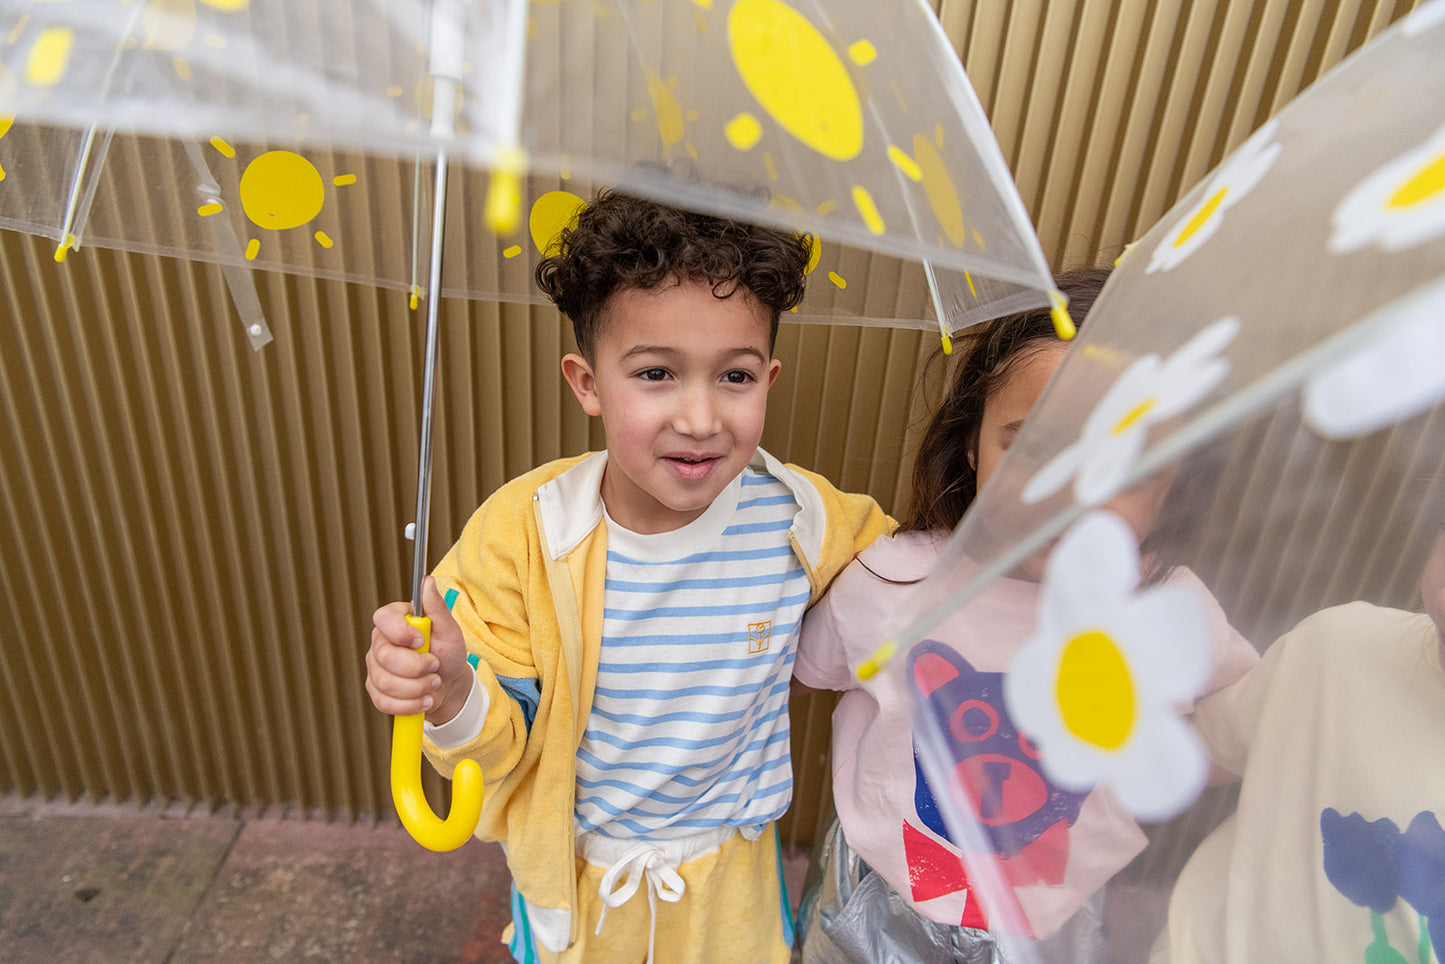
x=5, y=123
x=939, y=187
x=170, y=25
x=815, y=250
x=49, y=57
x=804, y=85
x=165, y=25
x=671, y=119
x=279, y=190
x=799, y=80
x=551, y=213
x=796, y=76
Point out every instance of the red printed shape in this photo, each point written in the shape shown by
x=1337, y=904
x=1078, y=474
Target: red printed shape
x=1003, y=789
x=933, y=870
x=1042, y=860
x=930, y=671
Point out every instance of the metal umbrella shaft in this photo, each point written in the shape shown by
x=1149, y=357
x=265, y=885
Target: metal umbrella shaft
x=428, y=388
x=446, y=68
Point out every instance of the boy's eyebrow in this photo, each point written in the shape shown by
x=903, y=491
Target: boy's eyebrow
x=648, y=350
x=668, y=352
x=750, y=350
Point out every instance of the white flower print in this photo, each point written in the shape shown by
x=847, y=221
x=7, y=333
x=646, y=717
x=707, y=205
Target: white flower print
x=1234, y=179
x=1097, y=686
x=1150, y=390
x=1398, y=205
x=1399, y=373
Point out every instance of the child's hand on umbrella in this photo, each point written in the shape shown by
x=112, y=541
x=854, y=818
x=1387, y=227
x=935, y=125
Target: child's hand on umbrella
x=401, y=679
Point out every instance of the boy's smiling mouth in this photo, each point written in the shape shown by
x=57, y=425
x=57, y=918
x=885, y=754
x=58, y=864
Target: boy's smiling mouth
x=691, y=467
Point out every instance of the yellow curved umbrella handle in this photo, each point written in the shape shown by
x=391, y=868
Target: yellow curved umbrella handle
x=427, y=828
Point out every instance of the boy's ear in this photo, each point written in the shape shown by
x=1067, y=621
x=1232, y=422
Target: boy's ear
x=579, y=375
x=774, y=367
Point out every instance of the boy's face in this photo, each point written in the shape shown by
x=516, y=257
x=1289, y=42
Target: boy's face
x=681, y=381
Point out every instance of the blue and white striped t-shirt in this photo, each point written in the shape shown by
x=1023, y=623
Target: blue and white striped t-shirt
x=689, y=726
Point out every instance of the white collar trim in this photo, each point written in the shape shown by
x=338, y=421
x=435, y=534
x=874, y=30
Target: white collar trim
x=683, y=541
x=570, y=505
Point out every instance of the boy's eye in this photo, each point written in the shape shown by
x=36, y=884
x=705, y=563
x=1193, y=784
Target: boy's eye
x=652, y=374
x=738, y=377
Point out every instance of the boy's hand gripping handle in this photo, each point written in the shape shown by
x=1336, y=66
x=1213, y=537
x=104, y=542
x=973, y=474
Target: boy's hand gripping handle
x=427, y=828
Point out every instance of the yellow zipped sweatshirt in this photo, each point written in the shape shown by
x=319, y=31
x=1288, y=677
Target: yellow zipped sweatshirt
x=528, y=571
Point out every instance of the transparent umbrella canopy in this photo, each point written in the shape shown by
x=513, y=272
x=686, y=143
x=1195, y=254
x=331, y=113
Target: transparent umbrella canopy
x=266, y=134
x=261, y=135
x=1245, y=443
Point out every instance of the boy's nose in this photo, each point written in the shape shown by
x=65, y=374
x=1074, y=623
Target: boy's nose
x=696, y=415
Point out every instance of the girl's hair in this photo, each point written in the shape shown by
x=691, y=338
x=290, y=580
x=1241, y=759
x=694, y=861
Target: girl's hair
x=944, y=479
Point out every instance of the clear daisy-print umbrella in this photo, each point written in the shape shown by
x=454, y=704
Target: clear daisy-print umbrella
x=267, y=134
x=1204, y=724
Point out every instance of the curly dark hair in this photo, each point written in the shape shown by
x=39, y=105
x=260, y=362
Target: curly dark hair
x=621, y=241
x=944, y=479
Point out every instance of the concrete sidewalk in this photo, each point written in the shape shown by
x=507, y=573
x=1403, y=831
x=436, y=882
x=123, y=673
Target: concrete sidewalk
x=81, y=882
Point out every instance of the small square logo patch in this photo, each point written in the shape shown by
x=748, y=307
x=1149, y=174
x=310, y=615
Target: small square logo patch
x=758, y=636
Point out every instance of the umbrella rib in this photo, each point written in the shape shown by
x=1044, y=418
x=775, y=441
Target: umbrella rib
x=938, y=306
x=67, y=235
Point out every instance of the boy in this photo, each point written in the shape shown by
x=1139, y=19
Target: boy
x=634, y=610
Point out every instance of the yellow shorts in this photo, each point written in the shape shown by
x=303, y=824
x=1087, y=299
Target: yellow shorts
x=734, y=908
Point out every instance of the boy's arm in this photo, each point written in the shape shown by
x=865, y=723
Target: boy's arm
x=484, y=584
x=853, y=522
x=866, y=521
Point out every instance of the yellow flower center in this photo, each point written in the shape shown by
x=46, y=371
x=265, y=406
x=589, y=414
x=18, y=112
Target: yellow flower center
x=1423, y=185
x=1199, y=220
x=1095, y=690
x=1133, y=415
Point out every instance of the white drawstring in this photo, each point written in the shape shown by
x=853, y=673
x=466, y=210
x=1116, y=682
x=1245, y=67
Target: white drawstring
x=645, y=861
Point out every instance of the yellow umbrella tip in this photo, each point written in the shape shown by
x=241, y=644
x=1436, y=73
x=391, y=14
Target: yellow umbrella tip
x=871, y=666
x=504, y=195
x=504, y=204
x=1059, y=311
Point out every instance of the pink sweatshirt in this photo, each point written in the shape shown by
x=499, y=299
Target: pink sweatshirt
x=1057, y=848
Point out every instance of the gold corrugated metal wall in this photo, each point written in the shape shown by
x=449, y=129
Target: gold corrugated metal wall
x=193, y=535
